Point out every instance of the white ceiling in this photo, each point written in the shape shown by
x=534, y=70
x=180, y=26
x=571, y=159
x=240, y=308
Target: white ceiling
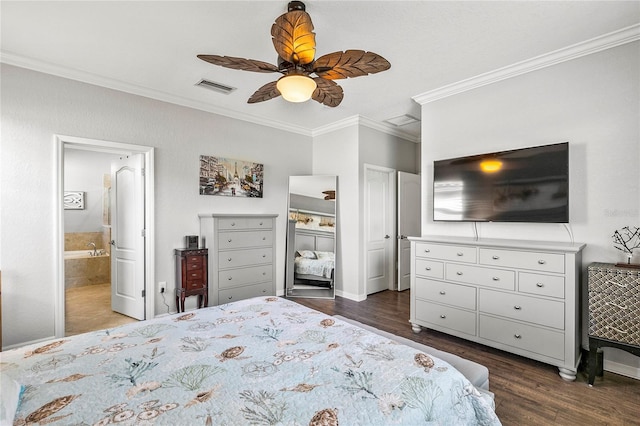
x=149, y=47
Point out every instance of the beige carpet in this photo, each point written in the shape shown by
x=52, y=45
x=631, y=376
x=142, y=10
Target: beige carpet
x=88, y=308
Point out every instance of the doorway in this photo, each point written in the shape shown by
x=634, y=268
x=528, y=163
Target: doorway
x=94, y=301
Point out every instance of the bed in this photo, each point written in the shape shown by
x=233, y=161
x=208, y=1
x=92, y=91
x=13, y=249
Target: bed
x=314, y=266
x=259, y=361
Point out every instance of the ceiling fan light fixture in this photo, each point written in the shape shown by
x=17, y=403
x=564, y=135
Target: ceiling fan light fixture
x=296, y=87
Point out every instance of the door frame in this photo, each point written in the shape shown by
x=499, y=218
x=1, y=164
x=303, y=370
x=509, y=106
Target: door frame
x=392, y=225
x=96, y=145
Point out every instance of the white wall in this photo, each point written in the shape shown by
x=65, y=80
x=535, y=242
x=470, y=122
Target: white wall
x=36, y=106
x=591, y=102
x=84, y=171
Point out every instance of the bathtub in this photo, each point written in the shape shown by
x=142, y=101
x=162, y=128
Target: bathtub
x=80, y=268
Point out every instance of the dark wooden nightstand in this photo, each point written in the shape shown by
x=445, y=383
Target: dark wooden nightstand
x=614, y=302
x=191, y=276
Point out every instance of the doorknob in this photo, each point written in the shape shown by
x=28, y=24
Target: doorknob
x=402, y=237
x=386, y=237
x=112, y=242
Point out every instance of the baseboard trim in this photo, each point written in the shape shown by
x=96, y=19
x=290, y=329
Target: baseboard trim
x=622, y=369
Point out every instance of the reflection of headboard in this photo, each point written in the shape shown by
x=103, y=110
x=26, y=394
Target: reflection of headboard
x=314, y=240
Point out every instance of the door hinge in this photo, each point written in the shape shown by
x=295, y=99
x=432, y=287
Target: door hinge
x=142, y=171
x=143, y=233
x=143, y=293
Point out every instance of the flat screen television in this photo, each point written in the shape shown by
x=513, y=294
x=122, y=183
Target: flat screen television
x=521, y=185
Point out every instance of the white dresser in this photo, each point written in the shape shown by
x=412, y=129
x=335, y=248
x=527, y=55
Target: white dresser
x=518, y=296
x=241, y=255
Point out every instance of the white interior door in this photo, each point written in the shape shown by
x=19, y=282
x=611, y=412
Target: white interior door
x=409, y=202
x=379, y=228
x=127, y=233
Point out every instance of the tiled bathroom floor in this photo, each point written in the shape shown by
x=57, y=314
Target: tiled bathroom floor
x=88, y=308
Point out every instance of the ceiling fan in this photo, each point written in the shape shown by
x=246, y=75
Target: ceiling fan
x=295, y=43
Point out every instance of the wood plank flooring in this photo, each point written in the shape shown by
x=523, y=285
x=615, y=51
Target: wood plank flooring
x=527, y=392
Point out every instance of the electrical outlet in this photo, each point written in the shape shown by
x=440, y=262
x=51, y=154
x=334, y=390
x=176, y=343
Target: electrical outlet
x=162, y=285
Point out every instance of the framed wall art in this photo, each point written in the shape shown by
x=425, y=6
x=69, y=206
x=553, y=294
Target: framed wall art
x=229, y=177
x=73, y=200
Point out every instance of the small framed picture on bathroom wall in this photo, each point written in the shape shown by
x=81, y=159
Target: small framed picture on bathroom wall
x=73, y=200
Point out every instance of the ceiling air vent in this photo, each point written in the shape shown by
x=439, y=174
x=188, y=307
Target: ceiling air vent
x=218, y=87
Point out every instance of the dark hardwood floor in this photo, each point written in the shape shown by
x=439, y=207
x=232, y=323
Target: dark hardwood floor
x=526, y=392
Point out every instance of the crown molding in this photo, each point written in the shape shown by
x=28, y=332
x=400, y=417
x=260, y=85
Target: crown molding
x=364, y=121
x=94, y=79
x=588, y=47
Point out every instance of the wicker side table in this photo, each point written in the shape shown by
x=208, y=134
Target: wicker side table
x=614, y=303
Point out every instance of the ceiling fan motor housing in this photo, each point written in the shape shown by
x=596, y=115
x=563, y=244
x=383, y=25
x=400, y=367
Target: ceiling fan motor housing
x=295, y=5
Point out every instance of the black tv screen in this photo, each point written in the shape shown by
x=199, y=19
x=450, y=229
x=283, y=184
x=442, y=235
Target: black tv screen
x=521, y=185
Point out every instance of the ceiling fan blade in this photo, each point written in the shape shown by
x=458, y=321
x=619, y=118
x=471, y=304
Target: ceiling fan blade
x=293, y=37
x=327, y=92
x=266, y=92
x=239, y=63
x=350, y=63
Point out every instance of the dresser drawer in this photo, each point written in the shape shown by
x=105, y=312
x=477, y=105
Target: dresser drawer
x=545, y=262
x=530, y=338
x=495, y=278
x=242, y=276
x=244, y=292
x=429, y=268
x=457, y=295
x=230, y=240
x=194, y=262
x=447, y=252
x=446, y=316
x=541, y=285
x=618, y=282
x=236, y=258
x=245, y=223
x=545, y=312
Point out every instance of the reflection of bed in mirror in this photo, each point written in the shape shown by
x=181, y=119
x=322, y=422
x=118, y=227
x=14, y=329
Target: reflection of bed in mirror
x=314, y=261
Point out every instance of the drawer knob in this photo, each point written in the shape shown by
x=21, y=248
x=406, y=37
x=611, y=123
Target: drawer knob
x=230, y=297
x=443, y=316
x=542, y=262
x=460, y=254
x=260, y=223
x=264, y=255
x=233, y=224
x=427, y=251
x=428, y=268
x=229, y=259
x=496, y=278
x=264, y=238
x=458, y=273
x=517, y=307
x=539, y=285
x=230, y=278
x=443, y=293
x=517, y=336
x=264, y=273
x=495, y=257
x=264, y=290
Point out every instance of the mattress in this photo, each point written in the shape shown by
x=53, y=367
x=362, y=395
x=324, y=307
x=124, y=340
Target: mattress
x=264, y=360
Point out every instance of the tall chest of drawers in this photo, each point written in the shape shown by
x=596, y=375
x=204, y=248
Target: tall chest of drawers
x=518, y=296
x=241, y=255
x=614, y=303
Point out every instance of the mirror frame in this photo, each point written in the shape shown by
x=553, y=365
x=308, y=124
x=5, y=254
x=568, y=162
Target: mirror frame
x=312, y=226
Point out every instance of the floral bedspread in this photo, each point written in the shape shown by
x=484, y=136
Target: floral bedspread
x=262, y=361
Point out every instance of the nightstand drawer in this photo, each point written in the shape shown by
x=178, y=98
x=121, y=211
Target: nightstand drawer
x=545, y=262
x=541, y=285
x=533, y=339
x=429, y=268
x=446, y=316
x=235, y=258
x=244, y=223
x=449, y=294
x=545, y=312
x=618, y=281
x=447, y=252
x=488, y=277
x=230, y=240
x=242, y=276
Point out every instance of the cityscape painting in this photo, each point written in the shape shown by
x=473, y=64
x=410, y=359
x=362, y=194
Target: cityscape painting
x=229, y=177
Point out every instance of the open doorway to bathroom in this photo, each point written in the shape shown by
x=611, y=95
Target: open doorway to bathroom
x=85, y=240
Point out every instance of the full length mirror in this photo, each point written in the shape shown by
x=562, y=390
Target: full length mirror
x=311, y=236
